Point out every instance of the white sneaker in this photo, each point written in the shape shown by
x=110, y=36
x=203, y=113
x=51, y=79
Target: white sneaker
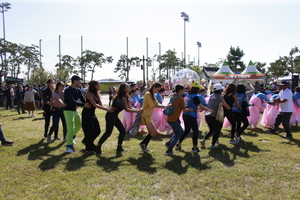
x=33, y=115
x=233, y=141
x=69, y=151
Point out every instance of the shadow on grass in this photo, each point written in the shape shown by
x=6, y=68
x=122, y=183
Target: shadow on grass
x=241, y=149
x=108, y=164
x=51, y=162
x=38, y=150
x=76, y=163
x=191, y=160
x=144, y=163
x=20, y=118
x=38, y=118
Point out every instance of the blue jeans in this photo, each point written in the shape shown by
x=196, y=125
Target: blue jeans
x=56, y=115
x=2, y=138
x=178, y=131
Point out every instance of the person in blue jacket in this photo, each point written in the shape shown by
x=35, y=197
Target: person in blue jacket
x=190, y=118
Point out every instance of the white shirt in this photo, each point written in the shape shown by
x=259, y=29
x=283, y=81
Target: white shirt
x=288, y=105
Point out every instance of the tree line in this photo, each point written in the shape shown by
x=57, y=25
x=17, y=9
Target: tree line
x=14, y=57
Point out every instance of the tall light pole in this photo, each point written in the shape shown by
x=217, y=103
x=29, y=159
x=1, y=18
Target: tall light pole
x=4, y=7
x=185, y=19
x=143, y=68
x=199, y=45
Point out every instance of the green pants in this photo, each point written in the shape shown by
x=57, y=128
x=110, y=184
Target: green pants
x=73, y=123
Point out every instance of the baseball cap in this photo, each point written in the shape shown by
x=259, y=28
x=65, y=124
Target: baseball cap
x=218, y=87
x=75, y=77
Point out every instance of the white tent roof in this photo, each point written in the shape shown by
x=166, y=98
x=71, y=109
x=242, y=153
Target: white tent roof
x=251, y=69
x=224, y=69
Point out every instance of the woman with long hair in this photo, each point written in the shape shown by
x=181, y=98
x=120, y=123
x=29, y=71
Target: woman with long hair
x=240, y=116
x=90, y=123
x=230, y=98
x=119, y=103
x=57, y=100
x=149, y=104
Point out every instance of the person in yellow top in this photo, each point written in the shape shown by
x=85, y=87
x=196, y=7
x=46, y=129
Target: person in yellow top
x=149, y=103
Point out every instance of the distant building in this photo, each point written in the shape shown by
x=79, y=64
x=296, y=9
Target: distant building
x=12, y=80
x=207, y=72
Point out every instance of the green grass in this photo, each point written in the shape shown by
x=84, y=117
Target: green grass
x=262, y=166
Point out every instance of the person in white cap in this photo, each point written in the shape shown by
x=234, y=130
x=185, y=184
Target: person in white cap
x=285, y=101
x=213, y=124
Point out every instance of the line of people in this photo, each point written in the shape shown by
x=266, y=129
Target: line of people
x=62, y=102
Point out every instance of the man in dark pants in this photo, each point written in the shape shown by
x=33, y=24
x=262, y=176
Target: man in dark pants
x=9, y=98
x=19, y=98
x=47, y=106
x=285, y=100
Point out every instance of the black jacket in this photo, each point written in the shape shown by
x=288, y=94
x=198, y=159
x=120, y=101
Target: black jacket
x=46, y=98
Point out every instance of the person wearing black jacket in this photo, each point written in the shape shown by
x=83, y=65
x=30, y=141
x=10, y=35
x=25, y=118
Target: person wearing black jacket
x=72, y=96
x=47, y=106
x=19, y=98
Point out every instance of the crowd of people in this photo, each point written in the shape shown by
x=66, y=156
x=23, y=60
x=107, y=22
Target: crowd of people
x=241, y=108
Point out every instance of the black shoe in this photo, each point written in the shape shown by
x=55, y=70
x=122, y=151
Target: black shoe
x=24, y=112
x=120, y=149
x=144, y=147
x=45, y=135
x=177, y=147
x=7, y=143
x=169, y=153
x=195, y=150
x=97, y=150
x=287, y=136
x=166, y=145
x=271, y=131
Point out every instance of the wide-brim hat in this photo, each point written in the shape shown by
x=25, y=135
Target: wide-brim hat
x=284, y=83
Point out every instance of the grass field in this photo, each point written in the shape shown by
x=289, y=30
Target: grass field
x=262, y=166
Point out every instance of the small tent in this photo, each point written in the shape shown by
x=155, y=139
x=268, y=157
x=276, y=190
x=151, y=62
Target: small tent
x=222, y=75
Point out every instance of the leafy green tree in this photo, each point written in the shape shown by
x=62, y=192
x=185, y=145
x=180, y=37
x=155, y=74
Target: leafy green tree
x=215, y=65
x=197, y=69
x=260, y=67
x=234, y=59
x=292, y=61
x=39, y=76
x=277, y=69
x=90, y=60
x=124, y=65
x=15, y=58
x=168, y=62
x=3, y=51
x=31, y=58
x=65, y=69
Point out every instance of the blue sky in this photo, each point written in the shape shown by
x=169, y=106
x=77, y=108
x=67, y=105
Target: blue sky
x=264, y=29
